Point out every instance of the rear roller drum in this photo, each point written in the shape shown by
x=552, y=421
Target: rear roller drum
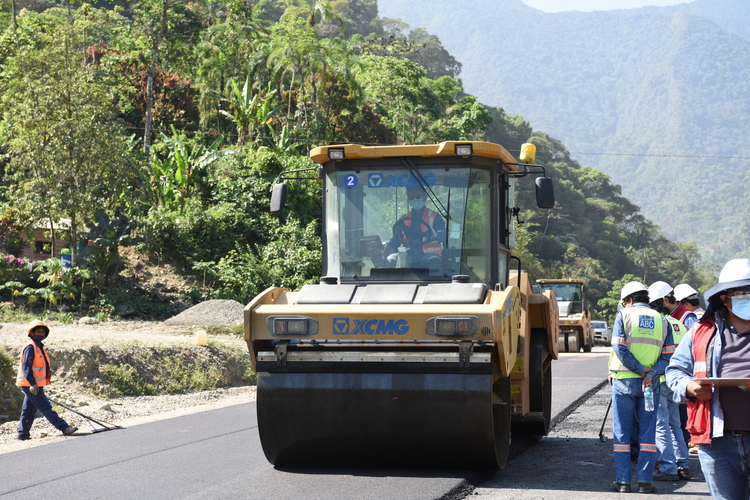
x=540, y=383
x=501, y=413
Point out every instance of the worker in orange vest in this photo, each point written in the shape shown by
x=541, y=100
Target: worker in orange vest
x=33, y=374
x=420, y=233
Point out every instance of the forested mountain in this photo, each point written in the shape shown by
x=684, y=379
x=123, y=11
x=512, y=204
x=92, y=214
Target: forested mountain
x=659, y=98
x=169, y=121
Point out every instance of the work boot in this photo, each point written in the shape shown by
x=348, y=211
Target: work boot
x=69, y=430
x=620, y=487
x=646, y=488
x=661, y=476
x=684, y=474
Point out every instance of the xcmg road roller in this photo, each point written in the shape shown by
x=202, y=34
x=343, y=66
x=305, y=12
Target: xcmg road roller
x=422, y=345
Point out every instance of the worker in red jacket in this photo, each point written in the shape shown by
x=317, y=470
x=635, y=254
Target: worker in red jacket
x=33, y=374
x=710, y=371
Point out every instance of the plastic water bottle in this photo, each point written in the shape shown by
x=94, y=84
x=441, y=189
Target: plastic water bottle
x=648, y=396
x=401, y=259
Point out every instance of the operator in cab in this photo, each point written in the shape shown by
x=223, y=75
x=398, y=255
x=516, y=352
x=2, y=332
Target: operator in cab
x=418, y=235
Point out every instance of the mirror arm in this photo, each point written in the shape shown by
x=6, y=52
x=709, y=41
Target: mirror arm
x=526, y=171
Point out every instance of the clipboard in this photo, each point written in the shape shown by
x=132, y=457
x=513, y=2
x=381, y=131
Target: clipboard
x=724, y=382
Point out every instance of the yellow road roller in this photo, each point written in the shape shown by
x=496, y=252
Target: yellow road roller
x=422, y=345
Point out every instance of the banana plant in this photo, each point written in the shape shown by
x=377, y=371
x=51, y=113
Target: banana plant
x=173, y=177
x=248, y=112
x=283, y=140
x=106, y=236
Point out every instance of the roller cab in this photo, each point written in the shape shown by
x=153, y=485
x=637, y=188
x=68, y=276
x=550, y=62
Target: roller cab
x=416, y=348
x=576, y=330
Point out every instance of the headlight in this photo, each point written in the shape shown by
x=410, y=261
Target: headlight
x=336, y=154
x=463, y=150
x=452, y=325
x=292, y=325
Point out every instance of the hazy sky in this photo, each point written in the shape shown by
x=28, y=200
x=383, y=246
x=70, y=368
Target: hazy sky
x=589, y=5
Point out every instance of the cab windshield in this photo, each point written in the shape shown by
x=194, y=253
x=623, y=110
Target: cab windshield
x=567, y=292
x=397, y=224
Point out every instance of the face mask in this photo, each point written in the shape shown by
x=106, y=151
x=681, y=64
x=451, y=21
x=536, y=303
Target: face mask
x=741, y=308
x=416, y=204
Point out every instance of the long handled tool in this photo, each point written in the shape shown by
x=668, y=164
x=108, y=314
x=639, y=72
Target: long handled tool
x=602, y=437
x=92, y=421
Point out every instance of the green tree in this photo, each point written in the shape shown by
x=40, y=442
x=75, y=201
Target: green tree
x=228, y=47
x=68, y=154
x=157, y=21
x=392, y=86
x=608, y=305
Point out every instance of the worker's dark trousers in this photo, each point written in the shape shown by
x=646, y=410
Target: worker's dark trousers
x=33, y=403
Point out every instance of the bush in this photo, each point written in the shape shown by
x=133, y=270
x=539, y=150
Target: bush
x=199, y=234
x=12, y=397
x=138, y=370
x=291, y=260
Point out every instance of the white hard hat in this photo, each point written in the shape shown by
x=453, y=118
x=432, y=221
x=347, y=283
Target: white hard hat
x=736, y=274
x=658, y=289
x=683, y=291
x=632, y=287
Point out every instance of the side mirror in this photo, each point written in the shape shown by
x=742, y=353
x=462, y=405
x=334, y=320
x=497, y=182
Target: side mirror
x=545, y=192
x=278, y=198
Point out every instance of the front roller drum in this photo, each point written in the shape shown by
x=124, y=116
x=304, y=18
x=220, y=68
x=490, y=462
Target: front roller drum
x=382, y=419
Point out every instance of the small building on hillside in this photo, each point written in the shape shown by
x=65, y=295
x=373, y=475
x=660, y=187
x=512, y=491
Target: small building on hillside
x=39, y=244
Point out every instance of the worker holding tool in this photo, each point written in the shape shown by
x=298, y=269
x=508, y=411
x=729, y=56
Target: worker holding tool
x=33, y=374
x=641, y=347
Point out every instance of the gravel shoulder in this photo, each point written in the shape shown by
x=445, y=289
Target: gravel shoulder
x=572, y=462
x=123, y=411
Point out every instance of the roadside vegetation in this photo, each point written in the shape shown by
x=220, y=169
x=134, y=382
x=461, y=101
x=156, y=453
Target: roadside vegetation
x=156, y=129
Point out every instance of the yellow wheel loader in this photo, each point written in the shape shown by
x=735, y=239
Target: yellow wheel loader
x=419, y=347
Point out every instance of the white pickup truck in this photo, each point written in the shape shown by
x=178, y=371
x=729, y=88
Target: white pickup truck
x=602, y=333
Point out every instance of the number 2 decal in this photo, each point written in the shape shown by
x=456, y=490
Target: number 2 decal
x=351, y=181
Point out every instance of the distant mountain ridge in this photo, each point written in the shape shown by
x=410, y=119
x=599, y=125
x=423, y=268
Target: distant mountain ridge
x=631, y=85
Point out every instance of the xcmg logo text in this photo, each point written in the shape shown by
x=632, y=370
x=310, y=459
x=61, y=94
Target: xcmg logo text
x=348, y=326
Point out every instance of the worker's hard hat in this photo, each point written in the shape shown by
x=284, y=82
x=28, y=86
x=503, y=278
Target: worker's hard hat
x=35, y=324
x=736, y=274
x=657, y=290
x=632, y=287
x=683, y=291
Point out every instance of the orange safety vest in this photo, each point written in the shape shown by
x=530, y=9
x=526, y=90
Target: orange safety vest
x=40, y=368
x=699, y=412
x=428, y=216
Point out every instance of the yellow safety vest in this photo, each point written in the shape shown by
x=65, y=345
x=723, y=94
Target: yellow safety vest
x=678, y=332
x=646, y=332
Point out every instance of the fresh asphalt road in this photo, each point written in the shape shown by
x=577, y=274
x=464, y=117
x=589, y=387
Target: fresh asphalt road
x=216, y=454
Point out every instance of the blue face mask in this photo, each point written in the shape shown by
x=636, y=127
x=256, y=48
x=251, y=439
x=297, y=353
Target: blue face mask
x=741, y=308
x=416, y=204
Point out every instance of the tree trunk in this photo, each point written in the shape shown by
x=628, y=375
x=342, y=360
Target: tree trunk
x=150, y=79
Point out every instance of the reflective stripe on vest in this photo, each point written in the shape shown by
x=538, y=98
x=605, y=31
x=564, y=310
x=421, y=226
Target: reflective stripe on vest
x=38, y=368
x=645, y=339
x=428, y=216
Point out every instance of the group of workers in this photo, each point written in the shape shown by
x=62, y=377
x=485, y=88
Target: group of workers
x=702, y=361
